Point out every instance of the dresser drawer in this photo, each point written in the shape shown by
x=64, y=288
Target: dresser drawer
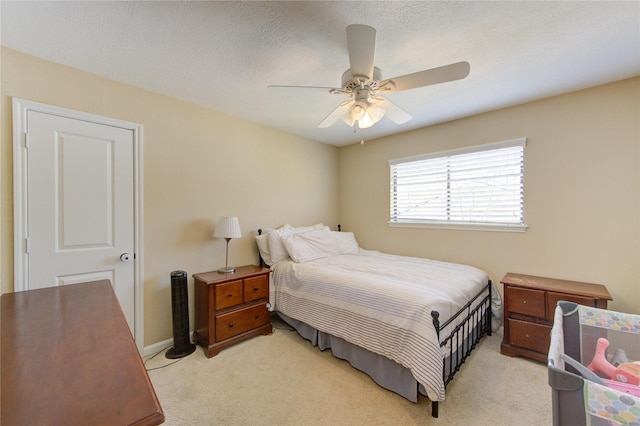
x=526, y=301
x=228, y=294
x=256, y=288
x=553, y=298
x=237, y=322
x=535, y=337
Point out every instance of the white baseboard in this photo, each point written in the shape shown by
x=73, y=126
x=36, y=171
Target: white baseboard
x=160, y=346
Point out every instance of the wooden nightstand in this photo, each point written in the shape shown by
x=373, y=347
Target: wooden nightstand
x=230, y=307
x=529, y=307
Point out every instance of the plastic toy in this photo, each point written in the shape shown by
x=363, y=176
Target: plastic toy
x=619, y=357
x=590, y=375
x=628, y=372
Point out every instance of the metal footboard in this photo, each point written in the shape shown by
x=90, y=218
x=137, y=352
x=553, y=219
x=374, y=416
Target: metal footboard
x=475, y=323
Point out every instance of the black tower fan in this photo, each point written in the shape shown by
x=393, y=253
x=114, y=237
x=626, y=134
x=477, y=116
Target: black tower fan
x=180, y=308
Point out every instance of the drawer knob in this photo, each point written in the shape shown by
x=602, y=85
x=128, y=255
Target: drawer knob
x=230, y=325
x=255, y=289
x=230, y=295
x=257, y=316
x=524, y=302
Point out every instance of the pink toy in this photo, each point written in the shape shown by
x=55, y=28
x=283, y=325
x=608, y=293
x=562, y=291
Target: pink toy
x=623, y=387
x=626, y=373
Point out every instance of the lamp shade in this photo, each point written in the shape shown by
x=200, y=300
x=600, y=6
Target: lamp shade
x=228, y=227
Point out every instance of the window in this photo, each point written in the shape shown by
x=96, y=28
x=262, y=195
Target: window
x=479, y=187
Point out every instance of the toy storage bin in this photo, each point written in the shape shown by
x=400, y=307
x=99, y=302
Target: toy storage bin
x=577, y=400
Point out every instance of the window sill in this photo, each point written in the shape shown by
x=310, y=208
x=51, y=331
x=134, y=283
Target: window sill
x=493, y=227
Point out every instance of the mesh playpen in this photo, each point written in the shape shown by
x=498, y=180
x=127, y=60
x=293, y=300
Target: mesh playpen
x=594, y=366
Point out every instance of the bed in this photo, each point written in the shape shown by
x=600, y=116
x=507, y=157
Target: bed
x=409, y=323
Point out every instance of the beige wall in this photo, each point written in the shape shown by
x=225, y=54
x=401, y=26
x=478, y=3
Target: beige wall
x=582, y=189
x=582, y=183
x=198, y=165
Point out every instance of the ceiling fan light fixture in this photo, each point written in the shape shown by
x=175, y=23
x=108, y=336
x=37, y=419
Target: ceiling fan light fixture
x=346, y=117
x=372, y=116
x=376, y=112
x=365, y=113
x=365, y=122
x=358, y=110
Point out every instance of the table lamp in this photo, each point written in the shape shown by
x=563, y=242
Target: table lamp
x=227, y=228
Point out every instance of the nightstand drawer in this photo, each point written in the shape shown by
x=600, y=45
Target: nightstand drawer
x=526, y=301
x=553, y=298
x=236, y=322
x=228, y=294
x=256, y=288
x=536, y=337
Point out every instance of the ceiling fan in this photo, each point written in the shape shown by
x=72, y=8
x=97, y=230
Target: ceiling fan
x=364, y=86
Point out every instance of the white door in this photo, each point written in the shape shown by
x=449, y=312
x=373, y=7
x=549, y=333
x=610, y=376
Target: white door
x=80, y=210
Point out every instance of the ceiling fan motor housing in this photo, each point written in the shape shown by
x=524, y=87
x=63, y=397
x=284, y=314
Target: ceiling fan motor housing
x=351, y=83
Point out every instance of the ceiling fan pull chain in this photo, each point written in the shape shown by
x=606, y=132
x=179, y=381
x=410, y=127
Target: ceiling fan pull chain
x=356, y=127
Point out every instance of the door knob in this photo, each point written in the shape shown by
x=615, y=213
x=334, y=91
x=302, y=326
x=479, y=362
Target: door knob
x=125, y=257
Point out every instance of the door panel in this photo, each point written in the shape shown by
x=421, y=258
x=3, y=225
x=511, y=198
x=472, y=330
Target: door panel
x=85, y=277
x=85, y=216
x=80, y=204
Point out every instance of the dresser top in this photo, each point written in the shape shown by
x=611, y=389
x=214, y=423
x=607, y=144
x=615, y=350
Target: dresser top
x=68, y=357
x=241, y=272
x=597, y=291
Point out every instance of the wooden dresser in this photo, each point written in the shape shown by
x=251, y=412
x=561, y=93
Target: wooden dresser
x=529, y=307
x=230, y=307
x=68, y=358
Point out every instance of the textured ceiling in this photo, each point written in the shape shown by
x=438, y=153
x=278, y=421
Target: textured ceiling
x=223, y=55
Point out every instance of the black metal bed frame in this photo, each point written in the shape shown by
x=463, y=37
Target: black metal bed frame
x=464, y=337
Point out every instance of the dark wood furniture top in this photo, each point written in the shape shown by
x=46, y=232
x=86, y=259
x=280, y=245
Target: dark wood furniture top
x=230, y=307
x=529, y=308
x=68, y=357
x=594, y=291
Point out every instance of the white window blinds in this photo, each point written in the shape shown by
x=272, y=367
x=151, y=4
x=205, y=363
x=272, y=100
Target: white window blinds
x=480, y=185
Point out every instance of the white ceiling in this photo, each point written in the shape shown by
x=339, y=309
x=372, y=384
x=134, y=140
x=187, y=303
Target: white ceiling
x=223, y=55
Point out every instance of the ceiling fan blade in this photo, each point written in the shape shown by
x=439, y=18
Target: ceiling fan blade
x=336, y=114
x=361, y=41
x=394, y=112
x=450, y=72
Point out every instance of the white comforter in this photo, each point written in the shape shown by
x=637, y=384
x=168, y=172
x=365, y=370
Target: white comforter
x=380, y=302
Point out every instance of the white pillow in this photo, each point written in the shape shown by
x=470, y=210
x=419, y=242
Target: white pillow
x=347, y=243
x=263, y=248
x=263, y=243
x=310, y=245
x=276, y=248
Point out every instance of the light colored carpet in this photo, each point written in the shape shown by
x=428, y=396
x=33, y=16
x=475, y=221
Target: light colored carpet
x=283, y=380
